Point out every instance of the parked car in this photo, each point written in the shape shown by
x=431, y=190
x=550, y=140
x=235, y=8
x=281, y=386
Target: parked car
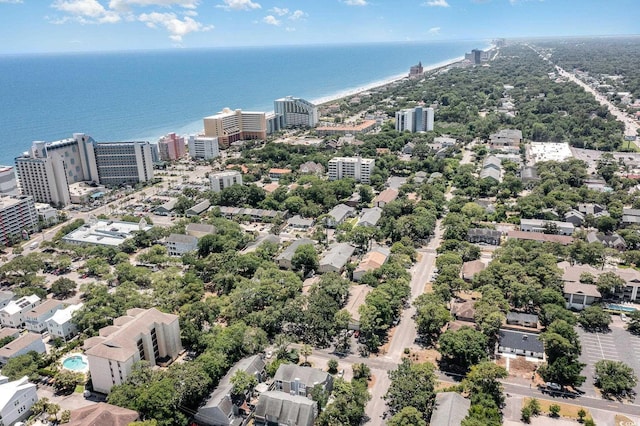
x=554, y=386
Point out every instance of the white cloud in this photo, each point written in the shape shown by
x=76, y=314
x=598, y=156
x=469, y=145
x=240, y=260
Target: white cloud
x=239, y=5
x=297, y=14
x=11, y=1
x=85, y=12
x=434, y=30
x=437, y=3
x=356, y=2
x=125, y=5
x=290, y=29
x=280, y=11
x=271, y=20
x=177, y=28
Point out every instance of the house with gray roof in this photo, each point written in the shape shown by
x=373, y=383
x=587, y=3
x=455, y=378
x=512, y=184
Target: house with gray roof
x=198, y=209
x=284, y=259
x=630, y=216
x=279, y=408
x=519, y=343
x=614, y=241
x=370, y=217
x=6, y=296
x=299, y=222
x=199, y=230
x=491, y=168
x=522, y=319
x=529, y=176
x=297, y=380
x=484, y=235
x=574, y=217
x=268, y=238
x=166, y=208
x=338, y=215
x=336, y=257
x=590, y=208
x=179, y=244
x=450, y=409
x=220, y=410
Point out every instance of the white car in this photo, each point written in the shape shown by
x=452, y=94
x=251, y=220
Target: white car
x=269, y=354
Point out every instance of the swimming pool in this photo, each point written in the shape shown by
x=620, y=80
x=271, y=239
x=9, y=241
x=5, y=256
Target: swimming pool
x=77, y=362
x=621, y=308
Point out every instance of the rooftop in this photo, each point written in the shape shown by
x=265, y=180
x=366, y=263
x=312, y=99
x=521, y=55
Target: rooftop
x=15, y=306
x=12, y=348
x=44, y=307
x=519, y=340
x=102, y=414
x=105, y=232
x=357, y=296
x=450, y=409
x=62, y=316
x=9, y=389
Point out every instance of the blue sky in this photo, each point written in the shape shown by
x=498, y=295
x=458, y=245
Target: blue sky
x=100, y=25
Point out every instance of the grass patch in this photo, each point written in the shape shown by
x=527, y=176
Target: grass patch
x=79, y=389
x=566, y=410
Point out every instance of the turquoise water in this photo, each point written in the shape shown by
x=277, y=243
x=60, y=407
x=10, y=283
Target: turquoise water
x=75, y=363
x=143, y=95
x=621, y=308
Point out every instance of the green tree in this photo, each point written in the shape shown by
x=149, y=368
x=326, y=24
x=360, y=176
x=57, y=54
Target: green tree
x=634, y=322
x=581, y=415
x=594, y=318
x=65, y=416
x=66, y=381
x=361, y=371
x=332, y=366
x=431, y=317
x=412, y=385
x=463, y=348
x=23, y=365
x=242, y=382
x=484, y=379
x=305, y=259
x=349, y=400
x=609, y=282
x=63, y=287
x=615, y=378
x=554, y=410
x=534, y=406
x=525, y=414
x=306, y=352
x=408, y=416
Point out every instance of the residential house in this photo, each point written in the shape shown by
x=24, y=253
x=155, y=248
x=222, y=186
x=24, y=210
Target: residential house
x=25, y=343
x=167, y=208
x=298, y=380
x=613, y=241
x=538, y=225
x=357, y=296
x=199, y=230
x=630, y=216
x=141, y=334
x=506, y=140
x=590, y=208
x=255, y=215
x=335, y=259
x=279, y=408
x=370, y=217
x=491, y=168
x=6, y=296
x=471, y=268
x=262, y=239
x=419, y=177
x=484, y=235
x=198, y=209
x=450, y=409
x=312, y=168
x=219, y=409
x=284, y=259
x=179, y=244
x=16, y=399
x=520, y=343
x=12, y=315
x=371, y=261
x=102, y=414
x=599, y=185
x=529, y=176
x=522, y=319
x=338, y=215
x=6, y=332
x=276, y=174
x=299, y=222
x=354, y=200
x=61, y=325
x=36, y=319
x=574, y=217
x=395, y=182
x=408, y=148
x=385, y=197
x=464, y=311
x=537, y=236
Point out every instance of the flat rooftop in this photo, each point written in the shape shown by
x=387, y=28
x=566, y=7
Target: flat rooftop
x=105, y=232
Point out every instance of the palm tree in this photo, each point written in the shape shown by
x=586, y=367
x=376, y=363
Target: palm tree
x=306, y=351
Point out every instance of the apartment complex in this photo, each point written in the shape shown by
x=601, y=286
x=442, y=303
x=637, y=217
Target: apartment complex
x=17, y=215
x=8, y=182
x=357, y=168
x=203, y=148
x=142, y=334
x=232, y=126
x=222, y=180
x=418, y=119
x=47, y=170
x=296, y=112
x=171, y=147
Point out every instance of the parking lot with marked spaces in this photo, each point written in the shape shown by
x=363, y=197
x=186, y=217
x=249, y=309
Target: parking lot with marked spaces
x=616, y=345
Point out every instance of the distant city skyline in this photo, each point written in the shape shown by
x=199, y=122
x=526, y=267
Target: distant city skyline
x=28, y=26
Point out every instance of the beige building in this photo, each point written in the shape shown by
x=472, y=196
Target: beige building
x=231, y=126
x=142, y=334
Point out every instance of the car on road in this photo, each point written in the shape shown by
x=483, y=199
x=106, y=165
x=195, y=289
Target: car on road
x=553, y=386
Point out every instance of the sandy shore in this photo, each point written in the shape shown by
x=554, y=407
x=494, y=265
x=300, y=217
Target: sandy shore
x=380, y=83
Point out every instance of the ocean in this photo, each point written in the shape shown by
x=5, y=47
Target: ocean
x=143, y=95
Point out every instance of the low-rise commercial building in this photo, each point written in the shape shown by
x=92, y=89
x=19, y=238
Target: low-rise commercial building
x=519, y=343
x=222, y=180
x=547, y=226
x=198, y=209
x=105, y=232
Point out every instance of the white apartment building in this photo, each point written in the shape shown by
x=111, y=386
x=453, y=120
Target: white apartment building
x=296, y=112
x=123, y=162
x=16, y=399
x=179, y=244
x=357, y=168
x=203, y=148
x=142, y=334
x=222, y=180
x=13, y=315
x=418, y=119
x=36, y=319
x=231, y=126
x=60, y=324
x=8, y=181
x=17, y=215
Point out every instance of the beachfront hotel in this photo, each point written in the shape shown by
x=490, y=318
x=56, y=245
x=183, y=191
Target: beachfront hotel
x=203, y=148
x=18, y=215
x=418, y=119
x=232, y=126
x=171, y=147
x=296, y=112
x=357, y=168
x=141, y=334
x=46, y=171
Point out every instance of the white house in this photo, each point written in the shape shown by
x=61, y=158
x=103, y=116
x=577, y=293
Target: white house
x=36, y=319
x=16, y=399
x=13, y=314
x=179, y=244
x=26, y=343
x=537, y=225
x=60, y=324
x=519, y=343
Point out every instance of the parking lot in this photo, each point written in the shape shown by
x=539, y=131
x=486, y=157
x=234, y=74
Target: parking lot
x=616, y=345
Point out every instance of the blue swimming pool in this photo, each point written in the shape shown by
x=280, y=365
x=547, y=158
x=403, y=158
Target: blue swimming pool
x=75, y=363
x=621, y=308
